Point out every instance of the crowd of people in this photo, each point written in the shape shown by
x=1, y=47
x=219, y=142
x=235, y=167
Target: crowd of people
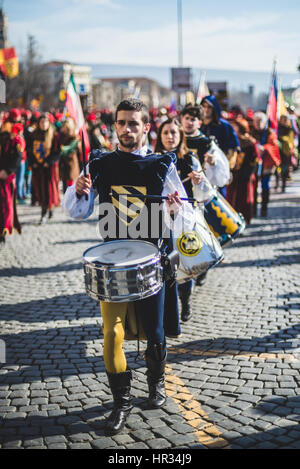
x=182, y=157
x=38, y=150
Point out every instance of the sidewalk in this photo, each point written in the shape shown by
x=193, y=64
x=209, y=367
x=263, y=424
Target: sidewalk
x=233, y=377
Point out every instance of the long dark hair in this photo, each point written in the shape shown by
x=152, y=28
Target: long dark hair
x=181, y=149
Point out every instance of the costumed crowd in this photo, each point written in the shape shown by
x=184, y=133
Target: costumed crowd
x=198, y=153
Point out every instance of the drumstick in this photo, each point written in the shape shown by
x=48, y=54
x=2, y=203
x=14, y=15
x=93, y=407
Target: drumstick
x=160, y=197
x=84, y=159
x=188, y=178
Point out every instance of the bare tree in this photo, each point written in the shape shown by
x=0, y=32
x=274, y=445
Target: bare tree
x=32, y=80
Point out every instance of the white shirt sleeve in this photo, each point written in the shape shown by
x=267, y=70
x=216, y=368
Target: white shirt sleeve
x=204, y=190
x=184, y=219
x=219, y=173
x=78, y=208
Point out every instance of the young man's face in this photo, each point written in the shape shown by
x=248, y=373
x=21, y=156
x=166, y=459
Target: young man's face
x=208, y=110
x=190, y=124
x=131, y=130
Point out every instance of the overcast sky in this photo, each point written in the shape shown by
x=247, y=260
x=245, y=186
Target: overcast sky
x=222, y=34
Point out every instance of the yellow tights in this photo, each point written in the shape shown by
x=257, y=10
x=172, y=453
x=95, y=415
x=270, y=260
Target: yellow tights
x=114, y=317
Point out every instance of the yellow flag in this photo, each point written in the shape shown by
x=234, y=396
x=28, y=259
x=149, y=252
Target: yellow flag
x=62, y=95
x=282, y=110
x=9, y=63
x=189, y=97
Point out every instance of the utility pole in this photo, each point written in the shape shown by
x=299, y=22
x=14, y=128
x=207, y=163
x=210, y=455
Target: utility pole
x=179, y=21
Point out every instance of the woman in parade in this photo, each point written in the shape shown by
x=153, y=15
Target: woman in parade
x=69, y=153
x=44, y=155
x=241, y=191
x=269, y=156
x=11, y=149
x=171, y=137
x=286, y=142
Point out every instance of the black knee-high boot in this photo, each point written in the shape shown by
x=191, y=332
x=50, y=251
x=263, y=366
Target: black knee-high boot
x=264, y=204
x=156, y=361
x=120, y=387
x=186, y=312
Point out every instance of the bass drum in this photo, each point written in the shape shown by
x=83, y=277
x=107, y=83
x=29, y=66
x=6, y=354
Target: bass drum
x=225, y=223
x=198, y=250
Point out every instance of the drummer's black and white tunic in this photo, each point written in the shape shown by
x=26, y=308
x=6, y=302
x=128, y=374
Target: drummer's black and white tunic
x=80, y=208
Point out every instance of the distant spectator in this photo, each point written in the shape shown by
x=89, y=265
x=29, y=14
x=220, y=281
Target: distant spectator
x=10, y=158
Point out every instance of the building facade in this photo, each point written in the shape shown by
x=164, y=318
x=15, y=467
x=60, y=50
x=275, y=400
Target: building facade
x=58, y=76
x=108, y=92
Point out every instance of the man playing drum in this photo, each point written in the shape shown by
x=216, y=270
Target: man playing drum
x=133, y=168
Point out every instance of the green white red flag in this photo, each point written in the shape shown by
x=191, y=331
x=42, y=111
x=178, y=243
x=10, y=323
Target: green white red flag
x=74, y=109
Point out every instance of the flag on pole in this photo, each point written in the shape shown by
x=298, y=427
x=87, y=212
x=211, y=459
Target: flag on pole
x=74, y=109
x=202, y=88
x=9, y=64
x=136, y=92
x=273, y=99
x=172, y=110
x=281, y=107
x=189, y=98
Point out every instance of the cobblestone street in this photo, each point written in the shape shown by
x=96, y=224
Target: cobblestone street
x=233, y=377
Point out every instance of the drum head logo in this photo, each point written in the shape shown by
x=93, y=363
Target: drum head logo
x=128, y=201
x=189, y=244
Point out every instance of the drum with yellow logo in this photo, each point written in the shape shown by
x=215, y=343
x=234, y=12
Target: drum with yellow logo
x=225, y=223
x=198, y=249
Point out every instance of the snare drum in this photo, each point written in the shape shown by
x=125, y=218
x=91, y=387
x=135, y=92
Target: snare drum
x=198, y=249
x=123, y=270
x=225, y=223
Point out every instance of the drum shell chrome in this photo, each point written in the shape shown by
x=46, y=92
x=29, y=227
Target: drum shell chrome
x=126, y=283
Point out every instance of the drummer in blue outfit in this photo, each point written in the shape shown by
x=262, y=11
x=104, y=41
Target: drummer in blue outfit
x=134, y=167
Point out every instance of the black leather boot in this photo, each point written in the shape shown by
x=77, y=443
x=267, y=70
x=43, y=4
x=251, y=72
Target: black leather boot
x=201, y=279
x=264, y=204
x=120, y=387
x=156, y=363
x=186, y=311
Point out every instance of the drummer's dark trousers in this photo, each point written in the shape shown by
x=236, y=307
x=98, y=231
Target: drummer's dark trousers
x=151, y=312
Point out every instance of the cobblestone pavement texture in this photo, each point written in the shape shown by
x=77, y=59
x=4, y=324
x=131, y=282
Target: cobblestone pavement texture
x=233, y=377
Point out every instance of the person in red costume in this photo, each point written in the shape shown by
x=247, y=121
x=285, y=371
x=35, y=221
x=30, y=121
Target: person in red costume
x=43, y=159
x=241, y=190
x=11, y=148
x=269, y=156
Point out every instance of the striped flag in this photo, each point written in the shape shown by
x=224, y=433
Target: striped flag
x=272, y=102
x=74, y=109
x=9, y=64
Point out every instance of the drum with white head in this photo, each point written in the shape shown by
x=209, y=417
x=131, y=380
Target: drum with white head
x=198, y=249
x=122, y=270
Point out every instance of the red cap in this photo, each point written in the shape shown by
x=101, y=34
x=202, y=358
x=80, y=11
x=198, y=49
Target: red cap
x=58, y=116
x=14, y=113
x=51, y=118
x=92, y=117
